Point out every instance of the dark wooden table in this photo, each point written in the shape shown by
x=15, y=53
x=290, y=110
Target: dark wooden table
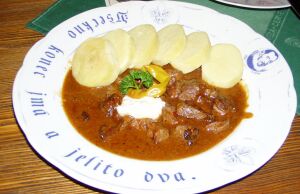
x=23, y=171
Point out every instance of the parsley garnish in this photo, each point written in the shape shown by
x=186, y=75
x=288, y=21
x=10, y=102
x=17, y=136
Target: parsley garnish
x=137, y=79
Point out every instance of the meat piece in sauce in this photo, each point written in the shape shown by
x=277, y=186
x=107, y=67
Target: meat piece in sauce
x=187, y=133
x=108, y=106
x=210, y=93
x=205, y=100
x=174, y=89
x=131, y=122
x=190, y=135
x=218, y=126
x=221, y=107
x=143, y=124
x=136, y=124
x=189, y=112
x=152, y=128
x=174, y=75
x=126, y=122
x=179, y=130
x=204, y=103
x=161, y=135
x=184, y=90
x=168, y=116
x=174, y=86
x=189, y=90
x=105, y=131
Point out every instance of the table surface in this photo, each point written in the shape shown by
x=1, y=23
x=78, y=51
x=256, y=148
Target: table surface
x=23, y=171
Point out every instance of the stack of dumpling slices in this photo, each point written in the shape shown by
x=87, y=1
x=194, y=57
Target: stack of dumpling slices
x=98, y=61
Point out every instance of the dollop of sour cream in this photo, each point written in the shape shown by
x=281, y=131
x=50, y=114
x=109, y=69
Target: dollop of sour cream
x=146, y=107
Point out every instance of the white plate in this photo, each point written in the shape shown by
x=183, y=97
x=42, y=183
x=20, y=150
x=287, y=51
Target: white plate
x=38, y=107
x=258, y=4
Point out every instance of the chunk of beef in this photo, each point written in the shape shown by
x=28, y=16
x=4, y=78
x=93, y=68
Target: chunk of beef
x=161, y=135
x=184, y=89
x=189, y=89
x=187, y=133
x=206, y=99
x=221, y=107
x=108, y=106
x=152, y=128
x=190, y=135
x=174, y=89
x=217, y=126
x=179, y=130
x=168, y=115
x=146, y=125
x=105, y=132
x=189, y=112
x=136, y=124
x=174, y=75
x=210, y=93
x=126, y=122
x=139, y=124
x=204, y=103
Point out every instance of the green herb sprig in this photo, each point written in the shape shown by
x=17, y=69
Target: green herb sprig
x=136, y=79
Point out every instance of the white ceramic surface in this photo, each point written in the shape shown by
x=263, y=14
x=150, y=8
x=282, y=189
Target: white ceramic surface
x=38, y=107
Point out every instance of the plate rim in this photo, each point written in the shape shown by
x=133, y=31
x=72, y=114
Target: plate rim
x=34, y=147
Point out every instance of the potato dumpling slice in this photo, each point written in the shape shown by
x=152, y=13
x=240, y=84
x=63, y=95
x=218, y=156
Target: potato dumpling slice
x=94, y=63
x=124, y=47
x=146, y=44
x=171, y=43
x=195, y=53
x=224, y=67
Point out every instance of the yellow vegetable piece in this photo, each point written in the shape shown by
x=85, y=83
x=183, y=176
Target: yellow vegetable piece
x=158, y=73
x=156, y=90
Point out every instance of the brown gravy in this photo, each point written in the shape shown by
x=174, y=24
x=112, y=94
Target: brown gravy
x=92, y=112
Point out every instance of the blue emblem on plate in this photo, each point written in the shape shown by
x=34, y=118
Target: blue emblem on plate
x=262, y=60
x=237, y=154
x=159, y=15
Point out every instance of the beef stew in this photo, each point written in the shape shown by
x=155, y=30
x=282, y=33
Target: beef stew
x=196, y=117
